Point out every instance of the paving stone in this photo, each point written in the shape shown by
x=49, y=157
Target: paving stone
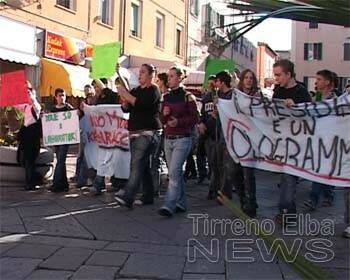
x=9, y=217
x=45, y=274
x=59, y=241
x=17, y=268
x=205, y=266
x=4, y=247
x=153, y=266
x=288, y=273
x=107, y=258
x=13, y=228
x=95, y=272
x=32, y=251
x=134, y=247
x=203, y=277
x=255, y=270
x=67, y=259
x=41, y=210
x=65, y=226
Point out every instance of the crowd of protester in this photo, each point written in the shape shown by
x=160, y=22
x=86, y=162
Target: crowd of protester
x=165, y=125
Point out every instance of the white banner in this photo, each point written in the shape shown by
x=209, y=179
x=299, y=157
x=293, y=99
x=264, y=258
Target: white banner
x=61, y=128
x=311, y=140
x=106, y=138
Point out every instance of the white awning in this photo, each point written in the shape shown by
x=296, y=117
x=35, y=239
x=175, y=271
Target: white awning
x=18, y=57
x=18, y=42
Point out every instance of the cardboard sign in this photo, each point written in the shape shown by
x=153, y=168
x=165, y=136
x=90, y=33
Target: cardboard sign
x=13, y=89
x=61, y=128
x=104, y=60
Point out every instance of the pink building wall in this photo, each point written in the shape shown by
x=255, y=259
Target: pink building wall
x=332, y=38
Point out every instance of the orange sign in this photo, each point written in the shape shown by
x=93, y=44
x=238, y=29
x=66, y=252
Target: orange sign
x=64, y=48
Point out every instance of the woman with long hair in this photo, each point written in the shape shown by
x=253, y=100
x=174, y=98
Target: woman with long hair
x=143, y=105
x=248, y=84
x=179, y=116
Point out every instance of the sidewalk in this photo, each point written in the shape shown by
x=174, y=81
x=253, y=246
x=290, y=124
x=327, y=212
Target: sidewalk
x=76, y=236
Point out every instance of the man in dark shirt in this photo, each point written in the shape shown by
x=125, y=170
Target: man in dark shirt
x=229, y=172
x=293, y=93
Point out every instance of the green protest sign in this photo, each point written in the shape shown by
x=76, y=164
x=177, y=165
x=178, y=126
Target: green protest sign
x=61, y=128
x=214, y=66
x=104, y=60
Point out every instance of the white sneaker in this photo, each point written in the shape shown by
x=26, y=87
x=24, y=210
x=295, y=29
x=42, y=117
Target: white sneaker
x=121, y=192
x=138, y=202
x=346, y=232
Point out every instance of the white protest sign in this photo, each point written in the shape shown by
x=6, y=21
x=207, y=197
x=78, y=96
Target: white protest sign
x=311, y=140
x=106, y=140
x=61, y=128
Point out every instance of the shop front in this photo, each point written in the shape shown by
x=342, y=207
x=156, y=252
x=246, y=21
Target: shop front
x=62, y=67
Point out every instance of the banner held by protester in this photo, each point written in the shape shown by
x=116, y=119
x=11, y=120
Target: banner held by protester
x=61, y=128
x=311, y=140
x=106, y=140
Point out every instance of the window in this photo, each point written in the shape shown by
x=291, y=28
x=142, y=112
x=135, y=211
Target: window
x=312, y=51
x=69, y=4
x=194, y=7
x=178, y=43
x=160, y=30
x=313, y=25
x=135, y=19
x=346, y=51
x=106, y=8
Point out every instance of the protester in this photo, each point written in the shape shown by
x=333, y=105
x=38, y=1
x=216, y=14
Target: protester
x=104, y=95
x=179, y=116
x=83, y=176
x=162, y=82
x=326, y=81
x=293, y=93
x=29, y=140
x=346, y=232
x=229, y=171
x=60, y=182
x=158, y=157
x=247, y=193
x=80, y=163
x=207, y=128
x=143, y=105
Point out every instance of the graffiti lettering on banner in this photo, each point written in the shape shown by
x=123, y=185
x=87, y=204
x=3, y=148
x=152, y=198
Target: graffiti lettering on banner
x=309, y=140
x=61, y=128
x=108, y=126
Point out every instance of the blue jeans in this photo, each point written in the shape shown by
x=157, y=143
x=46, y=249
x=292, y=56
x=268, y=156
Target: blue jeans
x=288, y=193
x=316, y=190
x=141, y=148
x=60, y=175
x=156, y=164
x=176, y=152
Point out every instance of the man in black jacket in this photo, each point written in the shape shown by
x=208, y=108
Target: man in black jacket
x=293, y=93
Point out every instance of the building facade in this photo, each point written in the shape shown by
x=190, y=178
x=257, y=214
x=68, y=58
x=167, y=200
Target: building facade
x=320, y=46
x=155, y=32
x=44, y=36
x=64, y=33
x=266, y=57
x=217, y=32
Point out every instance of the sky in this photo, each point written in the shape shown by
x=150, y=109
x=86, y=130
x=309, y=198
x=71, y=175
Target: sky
x=277, y=33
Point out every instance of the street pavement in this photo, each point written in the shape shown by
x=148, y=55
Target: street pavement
x=75, y=235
